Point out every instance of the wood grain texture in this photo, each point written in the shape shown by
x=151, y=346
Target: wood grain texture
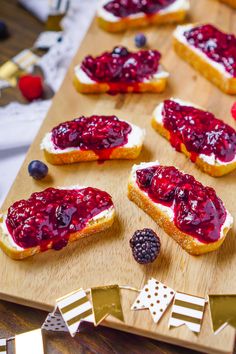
x=106, y=258
x=15, y=319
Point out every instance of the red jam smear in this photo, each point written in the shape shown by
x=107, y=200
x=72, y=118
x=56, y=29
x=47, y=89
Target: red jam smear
x=217, y=45
x=52, y=215
x=122, y=66
x=126, y=8
x=101, y=134
x=199, y=131
x=197, y=209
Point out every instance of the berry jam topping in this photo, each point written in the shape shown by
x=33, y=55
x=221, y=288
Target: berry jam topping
x=199, y=131
x=93, y=133
x=197, y=209
x=145, y=245
x=217, y=45
x=120, y=65
x=52, y=215
x=126, y=8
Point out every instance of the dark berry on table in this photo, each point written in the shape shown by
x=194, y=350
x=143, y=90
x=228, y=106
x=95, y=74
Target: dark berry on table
x=140, y=40
x=121, y=51
x=233, y=111
x=145, y=246
x=37, y=169
x=3, y=30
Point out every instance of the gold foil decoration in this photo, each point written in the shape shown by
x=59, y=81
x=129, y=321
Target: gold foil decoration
x=3, y=346
x=29, y=343
x=8, y=72
x=58, y=9
x=53, y=22
x=223, y=311
x=106, y=301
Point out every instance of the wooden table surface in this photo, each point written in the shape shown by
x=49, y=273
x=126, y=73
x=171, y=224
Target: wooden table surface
x=24, y=29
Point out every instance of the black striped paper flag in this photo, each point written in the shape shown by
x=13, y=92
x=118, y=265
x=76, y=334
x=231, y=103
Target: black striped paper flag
x=187, y=310
x=3, y=346
x=74, y=308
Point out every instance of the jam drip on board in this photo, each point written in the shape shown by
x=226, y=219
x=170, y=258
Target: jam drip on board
x=122, y=66
x=197, y=209
x=126, y=8
x=50, y=216
x=199, y=131
x=217, y=45
x=101, y=134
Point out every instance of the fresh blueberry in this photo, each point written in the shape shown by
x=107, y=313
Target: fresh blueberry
x=3, y=30
x=122, y=51
x=140, y=40
x=37, y=169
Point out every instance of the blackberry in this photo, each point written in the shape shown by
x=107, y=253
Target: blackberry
x=37, y=169
x=140, y=40
x=145, y=246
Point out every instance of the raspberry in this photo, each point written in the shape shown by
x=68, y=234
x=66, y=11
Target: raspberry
x=233, y=111
x=145, y=246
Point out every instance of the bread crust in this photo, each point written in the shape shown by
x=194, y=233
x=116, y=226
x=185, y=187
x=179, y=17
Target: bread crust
x=227, y=85
x=212, y=170
x=231, y=3
x=156, y=86
x=128, y=23
x=94, y=226
x=128, y=153
x=187, y=242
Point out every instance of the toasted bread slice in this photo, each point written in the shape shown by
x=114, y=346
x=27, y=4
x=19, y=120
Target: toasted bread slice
x=207, y=164
x=84, y=84
x=231, y=3
x=130, y=150
x=211, y=70
x=162, y=216
x=99, y=223
x=175, y=12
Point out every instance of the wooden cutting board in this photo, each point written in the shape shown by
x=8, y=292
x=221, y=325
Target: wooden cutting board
x=106, y=258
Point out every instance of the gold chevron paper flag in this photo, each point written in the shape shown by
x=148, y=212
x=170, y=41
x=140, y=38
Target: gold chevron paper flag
x=223, y=311
x=29, y=343
x=106, y=301
x=3, y=346
x=187, y=310
x=75, y=308
x=156, y=297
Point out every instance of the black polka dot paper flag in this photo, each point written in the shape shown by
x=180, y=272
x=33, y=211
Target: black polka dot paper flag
x=74, y=309
x=156, y=297
x=187, y=310
x=3, y=346
x=54, y=322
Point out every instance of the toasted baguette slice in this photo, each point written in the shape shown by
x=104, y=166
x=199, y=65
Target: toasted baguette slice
x=131, y=150
x=162, y=216
x=210, y=69
x=99, y=223
x=210, y=165
x=176, y=12
x=84, y=84
x=231, y=3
